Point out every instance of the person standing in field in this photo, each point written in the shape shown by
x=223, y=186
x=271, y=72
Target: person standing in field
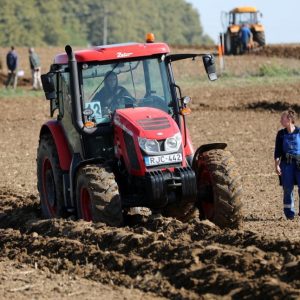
x=287, y=160
x=246, y=37
x=12, y=66
x=35, y=67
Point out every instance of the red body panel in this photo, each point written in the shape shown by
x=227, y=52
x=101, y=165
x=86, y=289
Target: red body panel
x=143, y=122
x=188, y=147
x=115, y=52
x=60, y=141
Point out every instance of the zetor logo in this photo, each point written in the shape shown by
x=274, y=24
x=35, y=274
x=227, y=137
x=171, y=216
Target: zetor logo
x=123, y=54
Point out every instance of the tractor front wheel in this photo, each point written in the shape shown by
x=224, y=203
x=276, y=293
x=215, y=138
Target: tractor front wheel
x=97, y=195
x=49, y=178
x=219, y=188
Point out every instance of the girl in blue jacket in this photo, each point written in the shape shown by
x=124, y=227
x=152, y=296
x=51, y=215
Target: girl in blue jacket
x=287, y=160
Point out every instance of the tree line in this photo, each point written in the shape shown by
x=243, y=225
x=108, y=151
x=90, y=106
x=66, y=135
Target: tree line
x=81, y=22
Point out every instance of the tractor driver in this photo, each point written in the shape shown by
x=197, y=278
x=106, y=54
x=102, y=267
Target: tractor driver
x=111, y=95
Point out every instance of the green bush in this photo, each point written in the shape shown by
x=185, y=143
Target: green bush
x=273, y=70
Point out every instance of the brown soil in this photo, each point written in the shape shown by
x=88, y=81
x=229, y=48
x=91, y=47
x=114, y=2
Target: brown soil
x=160, y=257
x=283, y=50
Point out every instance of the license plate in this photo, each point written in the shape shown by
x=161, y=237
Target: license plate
x=163, y=159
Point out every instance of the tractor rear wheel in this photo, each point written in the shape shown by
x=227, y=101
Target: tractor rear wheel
x=219, y=188
x=97, y=195
x=260, y=38
x=49, y=178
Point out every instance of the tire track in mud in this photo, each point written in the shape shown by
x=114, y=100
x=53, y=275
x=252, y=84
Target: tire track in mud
x=275, y=106
x=160, y=255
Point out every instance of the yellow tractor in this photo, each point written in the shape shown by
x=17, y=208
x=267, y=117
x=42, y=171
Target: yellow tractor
x=232, y=23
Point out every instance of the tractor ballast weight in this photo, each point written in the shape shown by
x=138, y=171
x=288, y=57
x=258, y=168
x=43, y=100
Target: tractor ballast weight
x=101, y=157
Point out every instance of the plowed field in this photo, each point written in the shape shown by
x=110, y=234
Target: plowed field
x=159, y=257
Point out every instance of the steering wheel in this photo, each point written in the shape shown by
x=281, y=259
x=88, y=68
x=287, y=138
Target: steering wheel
x=156, y=102
x=122, y=102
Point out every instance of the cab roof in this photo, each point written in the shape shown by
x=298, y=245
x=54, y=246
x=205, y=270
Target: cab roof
x=115, y=52
x=244, y=9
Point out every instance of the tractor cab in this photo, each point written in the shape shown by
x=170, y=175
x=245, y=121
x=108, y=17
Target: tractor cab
x=89, y=87
x=244, y=15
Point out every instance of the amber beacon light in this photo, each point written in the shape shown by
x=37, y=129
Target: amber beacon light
x=150, y=37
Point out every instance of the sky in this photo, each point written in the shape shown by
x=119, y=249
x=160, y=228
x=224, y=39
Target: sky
x=280, y=18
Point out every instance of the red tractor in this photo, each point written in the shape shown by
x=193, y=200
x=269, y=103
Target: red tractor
x=120, y=141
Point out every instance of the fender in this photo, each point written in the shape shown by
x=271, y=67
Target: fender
x=207, y=147
x=258, y=28
x=56, y=130
x=234, y=28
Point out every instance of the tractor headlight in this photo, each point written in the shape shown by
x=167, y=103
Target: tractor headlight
x=173, y=143
x=149, y=146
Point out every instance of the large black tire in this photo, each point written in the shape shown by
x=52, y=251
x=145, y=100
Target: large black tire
x=219, y=188
x=97, y=195
x=228, y=43
x=49, y=179
x=231, y=44
x=260, y=38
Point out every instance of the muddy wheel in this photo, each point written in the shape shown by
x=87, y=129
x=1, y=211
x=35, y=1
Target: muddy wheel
x=228, y=43
x=97, y=195
x=49, y=179
x=260, y=38
x=219, y=188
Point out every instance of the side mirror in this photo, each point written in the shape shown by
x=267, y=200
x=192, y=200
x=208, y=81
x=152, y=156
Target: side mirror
x=48, y=85
x=210, y=67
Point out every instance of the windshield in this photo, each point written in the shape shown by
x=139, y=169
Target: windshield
x=139, y=83
x=245, y=18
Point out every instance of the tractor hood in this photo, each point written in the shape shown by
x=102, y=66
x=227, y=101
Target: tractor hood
x=147, y=122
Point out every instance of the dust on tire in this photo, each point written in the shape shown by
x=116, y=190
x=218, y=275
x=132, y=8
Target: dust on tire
x=226, y=190
x=47, y=156
x=105, y=201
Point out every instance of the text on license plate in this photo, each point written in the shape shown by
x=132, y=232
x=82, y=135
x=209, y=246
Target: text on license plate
x=163, y=159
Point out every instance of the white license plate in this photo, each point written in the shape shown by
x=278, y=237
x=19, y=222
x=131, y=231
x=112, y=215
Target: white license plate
x=163, y=159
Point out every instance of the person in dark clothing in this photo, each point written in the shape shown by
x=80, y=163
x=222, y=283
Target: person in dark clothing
x=246, y=36
x=35, y=67
x=287, y=160
x=12, y=66
x=111, y=96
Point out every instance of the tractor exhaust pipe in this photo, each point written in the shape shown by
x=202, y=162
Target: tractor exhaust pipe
x=75, y=94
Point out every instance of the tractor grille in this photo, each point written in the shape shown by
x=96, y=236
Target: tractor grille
x=154, y=124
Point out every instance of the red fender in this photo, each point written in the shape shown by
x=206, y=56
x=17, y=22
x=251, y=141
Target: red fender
x=56, y=130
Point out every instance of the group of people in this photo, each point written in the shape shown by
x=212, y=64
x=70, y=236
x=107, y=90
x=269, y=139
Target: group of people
x=287, y=144
x=12, y=62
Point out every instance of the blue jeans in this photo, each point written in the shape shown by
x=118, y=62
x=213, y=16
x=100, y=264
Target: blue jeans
x=289, y=173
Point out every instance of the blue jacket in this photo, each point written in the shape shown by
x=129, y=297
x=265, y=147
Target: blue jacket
x=245, y=34
x=287, y=143
x=12, y=60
